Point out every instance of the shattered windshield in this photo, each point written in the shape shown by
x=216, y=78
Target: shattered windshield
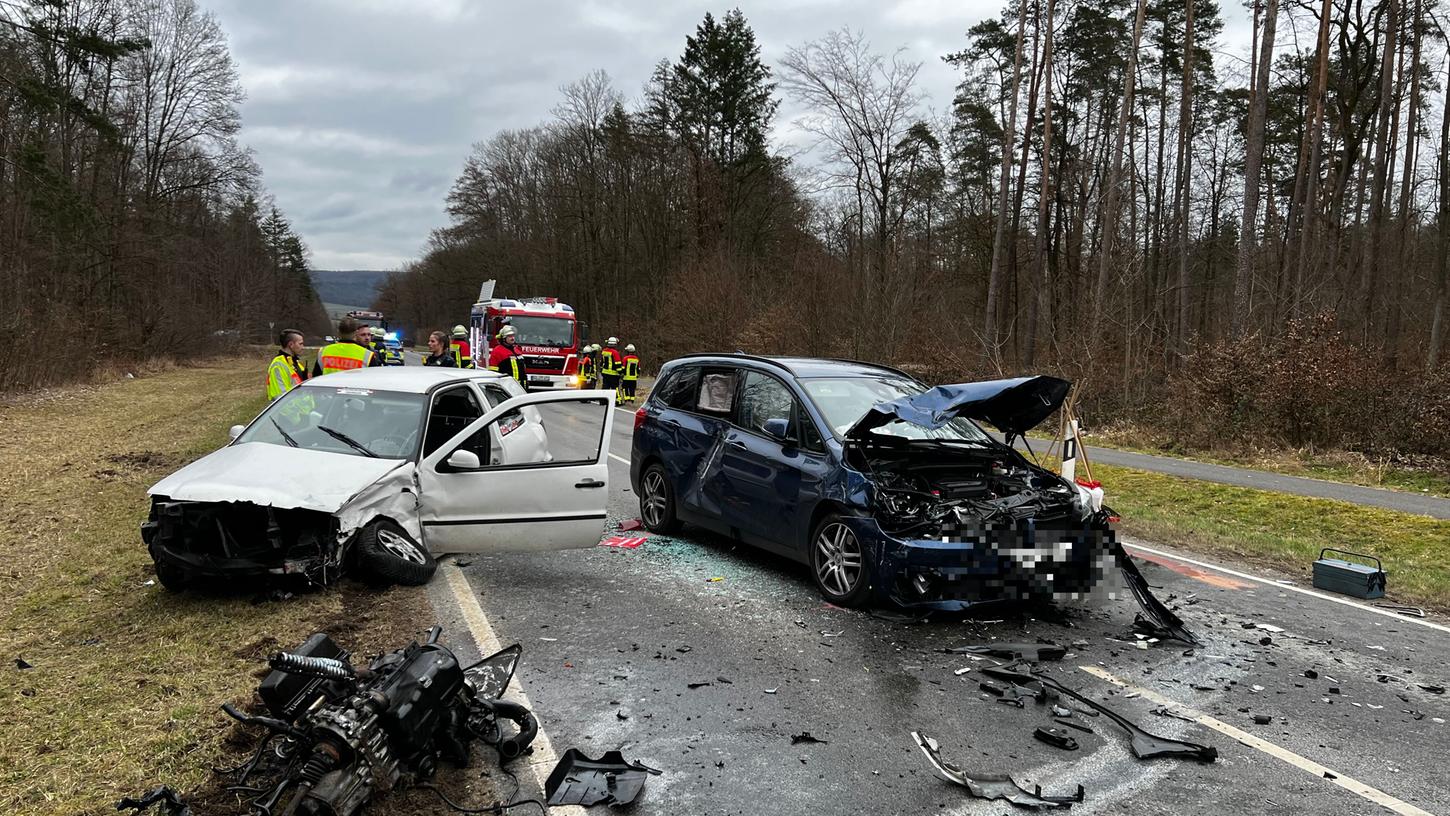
x=844, y=400
x=354, y=421
x=543, y=331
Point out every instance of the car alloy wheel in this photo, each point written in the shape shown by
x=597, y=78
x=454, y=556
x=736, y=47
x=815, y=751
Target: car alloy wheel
x=400, y=546
x=838, y=560
x=655, y=500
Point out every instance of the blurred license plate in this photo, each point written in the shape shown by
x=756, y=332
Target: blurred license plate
x=534, y=378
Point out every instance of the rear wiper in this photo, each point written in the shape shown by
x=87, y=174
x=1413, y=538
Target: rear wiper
x=291, y=443
x=346, y=440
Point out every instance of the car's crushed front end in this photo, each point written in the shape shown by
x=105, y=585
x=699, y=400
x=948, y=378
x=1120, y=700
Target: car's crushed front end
x=194, y=541
x=950, y=523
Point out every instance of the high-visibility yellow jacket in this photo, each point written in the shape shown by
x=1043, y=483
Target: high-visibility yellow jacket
x=461, y=353
x=284, y=373
x=343, y=356
x=631, y=366
x=609, y=362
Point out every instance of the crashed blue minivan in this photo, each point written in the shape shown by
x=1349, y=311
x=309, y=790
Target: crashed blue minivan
x=888, y=490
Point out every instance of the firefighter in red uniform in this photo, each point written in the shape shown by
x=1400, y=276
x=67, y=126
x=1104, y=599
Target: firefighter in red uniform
x=460, y=349
x=631, y=373
x=611, y=365
x=505, y=359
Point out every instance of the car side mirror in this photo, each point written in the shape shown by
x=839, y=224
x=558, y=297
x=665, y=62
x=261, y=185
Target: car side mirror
x=464, y=460
x=779, y=430
x=235, y=431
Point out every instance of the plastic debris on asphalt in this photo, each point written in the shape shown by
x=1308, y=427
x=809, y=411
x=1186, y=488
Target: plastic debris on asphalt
x=622, y=542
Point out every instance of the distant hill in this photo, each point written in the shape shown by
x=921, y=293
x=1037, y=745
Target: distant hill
x=359, y=286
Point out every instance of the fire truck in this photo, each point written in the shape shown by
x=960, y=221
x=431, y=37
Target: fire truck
x=547, y=336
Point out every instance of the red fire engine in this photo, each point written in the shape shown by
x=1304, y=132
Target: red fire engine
x=548, y=336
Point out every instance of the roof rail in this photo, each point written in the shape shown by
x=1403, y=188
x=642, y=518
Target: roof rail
x=892, y=369
x=739, y=356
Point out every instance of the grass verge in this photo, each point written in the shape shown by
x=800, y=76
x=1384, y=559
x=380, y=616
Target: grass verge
x=1282, y=530
x=1425, y=475
x=127, y=677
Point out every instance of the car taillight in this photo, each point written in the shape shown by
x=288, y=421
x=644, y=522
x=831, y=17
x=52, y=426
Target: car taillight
x=639, y=417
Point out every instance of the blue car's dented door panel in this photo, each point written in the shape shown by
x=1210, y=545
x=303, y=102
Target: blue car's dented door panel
x=690, y=446
x=769, y=490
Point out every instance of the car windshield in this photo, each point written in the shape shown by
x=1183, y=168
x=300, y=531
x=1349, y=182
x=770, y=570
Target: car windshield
x=543, y=331
x=844, y=400
x=355, y=421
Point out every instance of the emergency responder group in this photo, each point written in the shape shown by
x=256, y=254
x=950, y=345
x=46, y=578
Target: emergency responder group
x=363, y=346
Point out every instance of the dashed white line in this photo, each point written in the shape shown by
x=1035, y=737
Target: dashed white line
x=543, y=759
x=1305, y=764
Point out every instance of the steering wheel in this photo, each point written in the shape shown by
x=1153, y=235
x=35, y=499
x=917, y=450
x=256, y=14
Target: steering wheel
x=385, y=445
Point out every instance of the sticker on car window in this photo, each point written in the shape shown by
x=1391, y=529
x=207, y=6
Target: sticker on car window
x=355, y=392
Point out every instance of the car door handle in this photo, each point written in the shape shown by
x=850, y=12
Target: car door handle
x=735, y=443
x=587, y=483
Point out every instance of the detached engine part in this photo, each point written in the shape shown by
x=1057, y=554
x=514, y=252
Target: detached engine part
x=351, y=732
x=609, y=780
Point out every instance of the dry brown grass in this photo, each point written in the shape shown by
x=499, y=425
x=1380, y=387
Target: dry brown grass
x=127, y=677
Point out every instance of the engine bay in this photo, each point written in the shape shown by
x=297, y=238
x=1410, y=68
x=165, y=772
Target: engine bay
x=921, y=486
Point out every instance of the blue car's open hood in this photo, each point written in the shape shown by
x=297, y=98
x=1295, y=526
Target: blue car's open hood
x=1011, y=406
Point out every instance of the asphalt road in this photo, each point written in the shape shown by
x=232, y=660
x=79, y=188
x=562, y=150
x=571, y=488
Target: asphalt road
x=614, y=640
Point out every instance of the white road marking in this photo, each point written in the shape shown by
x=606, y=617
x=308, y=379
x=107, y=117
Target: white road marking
x=617, y=457
x=543, y=759
x=1311, y=593
x=1309, y=766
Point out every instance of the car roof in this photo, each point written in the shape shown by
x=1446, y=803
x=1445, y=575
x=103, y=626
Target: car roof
x=798, y=366
x=409, y=379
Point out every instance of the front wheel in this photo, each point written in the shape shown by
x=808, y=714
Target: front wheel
x=386, y=554
x=839, y=563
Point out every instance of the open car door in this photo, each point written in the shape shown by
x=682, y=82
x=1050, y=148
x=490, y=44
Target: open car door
x=481, y=492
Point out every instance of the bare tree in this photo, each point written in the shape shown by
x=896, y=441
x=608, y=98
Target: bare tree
x=1253, y=162
x=1009, y=143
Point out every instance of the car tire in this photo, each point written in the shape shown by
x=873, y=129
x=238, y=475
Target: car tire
x=839, y=563
x=657, y=502
x=386, y=554
x=171, y=576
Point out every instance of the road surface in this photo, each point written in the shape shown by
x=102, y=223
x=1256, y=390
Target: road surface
x=709, y=680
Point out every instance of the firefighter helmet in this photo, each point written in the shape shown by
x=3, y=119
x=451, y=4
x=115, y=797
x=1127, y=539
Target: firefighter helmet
x=613, y=341
x=376, y=332
x=629, y=347
x=507, y=332
x=460, y=332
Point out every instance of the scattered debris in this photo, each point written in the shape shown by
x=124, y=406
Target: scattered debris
x=608, y=780
x=962, y=671
x=1311, y=674
x=717, y=579
x=1269, y=627
x=1262, y=719
x=1079, y=726
x=772, y=690
x=1056, y=737
x=20, y=663
x=1059, y=711
x=805, y=737
x=630, y=525
x=1165, y=711
x=1160, y=622
x=1031, y=652
x=1412, y=611
x=1145, y=745
x=686, y=649
x=549, y=639
x=170, y=803
x=991, y=786
x=1433, y=689
x=623, y=542
x=697, y=685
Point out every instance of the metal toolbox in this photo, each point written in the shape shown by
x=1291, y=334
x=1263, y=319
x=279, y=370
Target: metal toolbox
x=1347, y=577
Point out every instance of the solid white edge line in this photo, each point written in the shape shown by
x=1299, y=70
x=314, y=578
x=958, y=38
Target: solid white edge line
x=615, y=456
x=543, y=759
x=1305, y=764
x=1311, y=593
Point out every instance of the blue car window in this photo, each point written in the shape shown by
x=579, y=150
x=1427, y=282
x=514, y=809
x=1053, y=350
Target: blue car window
x=764, y=397
x=679, y=389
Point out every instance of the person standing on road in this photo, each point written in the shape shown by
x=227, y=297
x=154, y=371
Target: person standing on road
x=286, y=370
x=379, y=343
x=345, y=355
x=460, y=347
x=439, y=352
x=611, y=365
x=505, y=359
x=631, y=373
x=586, y=366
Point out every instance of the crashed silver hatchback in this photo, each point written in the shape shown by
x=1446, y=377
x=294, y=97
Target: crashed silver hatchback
x=379, y=471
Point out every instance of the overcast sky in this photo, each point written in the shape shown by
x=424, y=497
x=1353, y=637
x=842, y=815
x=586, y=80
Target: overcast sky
x=361, y=112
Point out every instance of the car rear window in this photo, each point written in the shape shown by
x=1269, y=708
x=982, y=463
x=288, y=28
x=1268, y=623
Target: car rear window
x=680, y=387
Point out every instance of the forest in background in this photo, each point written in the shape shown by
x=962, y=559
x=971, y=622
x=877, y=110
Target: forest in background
x=132, y=222
x=1252, y=254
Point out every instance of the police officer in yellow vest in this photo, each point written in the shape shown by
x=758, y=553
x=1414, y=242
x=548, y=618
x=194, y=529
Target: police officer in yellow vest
x=348, y=354
x=286, y=371
x=631, y=373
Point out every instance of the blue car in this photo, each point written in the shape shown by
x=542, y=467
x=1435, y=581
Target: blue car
x=888, y=490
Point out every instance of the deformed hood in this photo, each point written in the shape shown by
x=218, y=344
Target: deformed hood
x=275, y=476
x=1011, y=406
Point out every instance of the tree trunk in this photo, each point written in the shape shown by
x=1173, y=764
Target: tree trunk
x=1369, y=266
x=1253, y=160
x=1042, y=297
x=1309, y=206
x=999, y=239
x=1107, y=253
x=1185, y=165
x=1442, y=256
